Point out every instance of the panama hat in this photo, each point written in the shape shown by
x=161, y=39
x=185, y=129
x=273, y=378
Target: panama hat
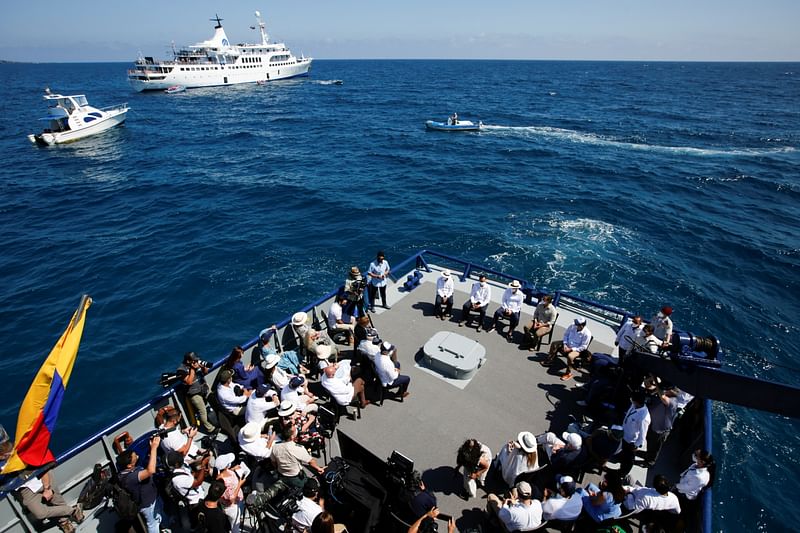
x=299, y=318
x=271, y=360
x=250, y=432
x=286, y=408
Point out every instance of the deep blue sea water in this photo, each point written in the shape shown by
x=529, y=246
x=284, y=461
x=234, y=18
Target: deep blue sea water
x=216, y=212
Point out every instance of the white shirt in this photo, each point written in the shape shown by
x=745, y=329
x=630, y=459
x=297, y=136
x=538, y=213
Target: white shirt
x=379, y=269
x=256, y=410
x=480, y=295
x=512, y=301
x=634, y=427
x=387, y=372
x=372, y=351
x=628, y=331
x=35, y=484
x=175, y=440
x=560, y=508
x=514, y=463
x=182, y=480
x=339, y=387
x=445, y=286
x=228, y=399
x=692, y=481
x=520, y=516
x=577, y=340
x=307, y=511
x=648, y=499
x=334, y=314
x=258, y=448
x=280, y=378
x=662, y=326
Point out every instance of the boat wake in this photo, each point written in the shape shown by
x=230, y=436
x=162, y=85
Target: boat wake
x=602, y=140
x=329, y=82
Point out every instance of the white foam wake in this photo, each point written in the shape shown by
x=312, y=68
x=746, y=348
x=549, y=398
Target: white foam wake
x=602, y=140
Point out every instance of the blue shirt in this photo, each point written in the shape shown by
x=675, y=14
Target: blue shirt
x=378, y=269
x=604, y=511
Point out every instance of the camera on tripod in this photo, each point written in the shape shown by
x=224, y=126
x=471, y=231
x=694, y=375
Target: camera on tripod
x=401, y=471
x=279, y=500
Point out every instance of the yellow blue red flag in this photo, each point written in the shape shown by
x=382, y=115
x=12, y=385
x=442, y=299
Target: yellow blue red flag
x=39, y=410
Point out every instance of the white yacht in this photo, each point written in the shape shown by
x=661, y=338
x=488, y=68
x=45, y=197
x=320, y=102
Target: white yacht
x=217, y=62
x=71, y=118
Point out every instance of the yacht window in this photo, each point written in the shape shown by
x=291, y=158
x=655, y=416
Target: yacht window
x=88, y=119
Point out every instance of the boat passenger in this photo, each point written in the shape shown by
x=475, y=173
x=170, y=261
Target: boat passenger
x=192, y=373
x=232, y=499
x=655, y=498
x=566, y=454
x=308, y=507
x=662, y=324
x=388, y=370
x=479, y=298
x=574, y=344
x=273, y=374
x=626, y=335
x=518, y=457
x=290, y=415
x=317, y=342
x=647, y=341
x=187, y=485
x=445, y=287
x=210, y=514
x=565, y=503
x=289, y=459
x=475, y=458
x=599, y=504
x=378, y=274
x=544, y=317
x=250, y=376
x=254, y=442
x=296, y=392
x=44, y=501
x=363, y=331
x=354, y=287
x=427, y=523
x=634, y=431
x=179, y=440
x=510, y=308
x=603, y=444
x=336, y=322
x=263, y=400
x=455, y=119
x=231, y=398
x=697, y=477
x=139, y=481
x=519, y=512
x=663, y=407
x=289, y=360
x=337, y=380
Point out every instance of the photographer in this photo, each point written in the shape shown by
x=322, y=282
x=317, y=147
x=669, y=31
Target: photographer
x=192, y=373
x=187, y=486
x=354, y=287
x=427, y=522
x=309, y=507
x=173, y=439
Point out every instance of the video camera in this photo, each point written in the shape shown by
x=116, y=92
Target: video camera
x=168, y=379
x=278, y=500
x=400, y=472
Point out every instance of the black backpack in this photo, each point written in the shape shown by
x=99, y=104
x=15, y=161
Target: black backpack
x=125, y=504
x=96, y=489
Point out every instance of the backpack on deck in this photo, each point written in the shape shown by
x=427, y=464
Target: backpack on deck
x=96, y=489
x=125, y=504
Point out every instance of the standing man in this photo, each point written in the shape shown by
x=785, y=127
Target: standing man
x=544, y=318
x=626, y=336
x=444, y=295
x=479, y=299
x=662, y=325
x=378, y=273
x=192, y=373
x=634, y=431
x=510, y=307
x=139, y=482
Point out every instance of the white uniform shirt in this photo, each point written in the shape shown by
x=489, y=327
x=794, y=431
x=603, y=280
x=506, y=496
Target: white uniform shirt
x=307, y=511
x=379, y=269
x=372, y=351
x=256, y=410
x=648, y=499
x=228, y=399
x=182, y=480
x=692, y=481
x=334, y=314
x=175, y=440
x=577, y=340
x=662, y=326
x=512, y=301
x=339, y=387
x=560, y=508
x=480, y=295
x=634, y=427
x=387, y=372
x=628, y=331
x=259, y=448
x=445, y=286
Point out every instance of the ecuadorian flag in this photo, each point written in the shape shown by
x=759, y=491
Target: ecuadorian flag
x=39, y=409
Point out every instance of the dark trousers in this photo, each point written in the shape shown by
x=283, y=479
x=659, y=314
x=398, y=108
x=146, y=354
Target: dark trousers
x=513, y=319
x=437, y=306
x=373, y=293
x=466, y=313
x=403, y=382
x=655, y=441
x=626, y=457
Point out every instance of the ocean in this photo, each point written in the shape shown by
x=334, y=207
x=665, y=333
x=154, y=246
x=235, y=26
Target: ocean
x=216, y=212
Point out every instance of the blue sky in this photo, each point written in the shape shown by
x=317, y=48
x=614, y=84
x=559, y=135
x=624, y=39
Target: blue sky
x=91, y=30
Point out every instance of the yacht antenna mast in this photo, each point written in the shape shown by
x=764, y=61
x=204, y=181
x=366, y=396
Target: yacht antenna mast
x=217, y=20
x=262, y=28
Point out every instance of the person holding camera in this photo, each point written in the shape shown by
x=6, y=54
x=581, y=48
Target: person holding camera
x=309, y=507
x=427, y=523
x=354, y=287
x=520, y=511
x=139, y=482
x=192, y=373
x=174, y=439
x=475, y=458
x=186, y=485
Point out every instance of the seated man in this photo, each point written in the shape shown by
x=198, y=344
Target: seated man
x=178, y=440
x=289, y=459
x=479, y=299
x=565, y=455
x=575, y=342
x=231, y=397
x=519, y=512
x=444, y=295
x=518, y=457
x=296, y=392
x=318, y=342
x=544, y=318
x=657, y=498
x=370, y=349
x=289, y=360
x=603, y=444
x=311, y=505
x=389, y=371
x=563, y=504
x=510, y=308
x=43, y=500
x=337, y=381
x=599, y=503
x=336, y=322
x=254, y=442
x=263, y=400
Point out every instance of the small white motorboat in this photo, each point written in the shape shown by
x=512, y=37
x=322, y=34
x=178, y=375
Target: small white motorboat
x=175, y=89
x=71, y=118
x=454, y=124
